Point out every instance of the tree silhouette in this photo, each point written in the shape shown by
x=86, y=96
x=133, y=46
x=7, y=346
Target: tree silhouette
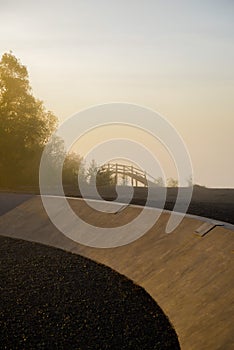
x=99, y=177
x=72, y=167
x=159, y=182
x=25, y=125
x=104, y=178
x=172, y=182
x=92, y=172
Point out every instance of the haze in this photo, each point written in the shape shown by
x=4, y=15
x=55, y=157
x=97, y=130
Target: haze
x=173, y=56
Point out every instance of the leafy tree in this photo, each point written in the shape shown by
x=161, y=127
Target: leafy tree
x=172, y=182
x=55, y=160
x=92, y=172
x=104, y=178
x=25, y=124
x=82, y=171
x=124, y=180
x=100, y=177
x=53, y=157
x=159, y=182
x=190, y=181
x=71, y=168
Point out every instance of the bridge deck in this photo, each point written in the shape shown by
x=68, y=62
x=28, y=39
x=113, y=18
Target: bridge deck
x=129, y=171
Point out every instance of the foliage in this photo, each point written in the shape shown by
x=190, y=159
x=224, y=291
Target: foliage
x=172, y=182
x=25, y=128
x=159, y=182
x=104, y=178
x=101, y=178
x=92, y=172
x=25, y=125
x=190, y=181
x=71, y=168
x=53, y=157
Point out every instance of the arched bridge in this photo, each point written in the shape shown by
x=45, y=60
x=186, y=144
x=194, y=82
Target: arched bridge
x=126, y=172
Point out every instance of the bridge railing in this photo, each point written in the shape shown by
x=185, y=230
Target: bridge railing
x=127, y=170
x=122, y=168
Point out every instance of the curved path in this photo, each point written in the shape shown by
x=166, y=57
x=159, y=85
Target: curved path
x=190, y=277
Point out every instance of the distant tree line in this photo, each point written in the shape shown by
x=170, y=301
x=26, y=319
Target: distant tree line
x=25, y=128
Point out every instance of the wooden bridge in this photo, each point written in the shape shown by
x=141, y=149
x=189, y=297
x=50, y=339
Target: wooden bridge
x=126, y=172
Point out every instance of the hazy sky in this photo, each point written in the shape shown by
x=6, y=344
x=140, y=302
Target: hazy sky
x=176, y=57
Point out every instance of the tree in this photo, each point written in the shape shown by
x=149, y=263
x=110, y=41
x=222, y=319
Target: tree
x=172, y=182
x=98, y=176
x=104, y=178
x=190, y=181
x=55, y=161
x=159, y=182
x=25, y=124
x=53, y=157
x=71, y=168
x=124, y=179
x=92, y=172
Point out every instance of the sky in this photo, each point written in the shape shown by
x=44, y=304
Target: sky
x=173, y=56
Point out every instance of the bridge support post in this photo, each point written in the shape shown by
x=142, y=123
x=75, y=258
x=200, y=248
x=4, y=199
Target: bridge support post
x=116, y=174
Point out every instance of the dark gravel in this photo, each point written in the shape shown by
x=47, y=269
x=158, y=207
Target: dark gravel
x=51, y=299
